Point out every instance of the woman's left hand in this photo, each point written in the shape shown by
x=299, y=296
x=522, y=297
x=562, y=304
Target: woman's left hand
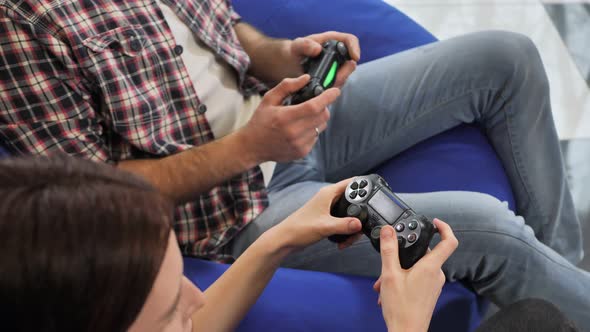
x=313, y=222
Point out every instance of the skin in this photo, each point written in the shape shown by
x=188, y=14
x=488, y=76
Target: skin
x=241, y=285
x=162, y=311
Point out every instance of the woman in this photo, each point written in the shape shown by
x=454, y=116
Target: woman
x=86, y=247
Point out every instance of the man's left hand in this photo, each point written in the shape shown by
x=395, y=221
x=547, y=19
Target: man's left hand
x=311, y=46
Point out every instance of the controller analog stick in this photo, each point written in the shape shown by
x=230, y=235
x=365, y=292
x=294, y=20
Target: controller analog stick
x=376, y=232
x=318, y=90
x=354, y=210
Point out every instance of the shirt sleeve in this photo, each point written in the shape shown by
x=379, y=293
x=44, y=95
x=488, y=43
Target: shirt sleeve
x=44, y=107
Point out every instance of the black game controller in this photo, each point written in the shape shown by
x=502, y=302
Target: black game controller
x=371, y=200
x=322, y=70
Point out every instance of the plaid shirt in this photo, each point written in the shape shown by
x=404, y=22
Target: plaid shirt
x=107, y=83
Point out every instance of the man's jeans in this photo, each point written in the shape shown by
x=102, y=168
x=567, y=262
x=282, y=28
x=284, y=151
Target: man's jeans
x=494, y=79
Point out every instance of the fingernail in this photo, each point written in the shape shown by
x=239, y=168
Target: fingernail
x=386, y=232
x=352, y=225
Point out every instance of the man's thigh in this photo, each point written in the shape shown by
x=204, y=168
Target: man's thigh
x=392, y=103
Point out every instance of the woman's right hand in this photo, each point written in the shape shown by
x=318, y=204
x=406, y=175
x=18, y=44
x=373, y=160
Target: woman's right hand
x=408, y=297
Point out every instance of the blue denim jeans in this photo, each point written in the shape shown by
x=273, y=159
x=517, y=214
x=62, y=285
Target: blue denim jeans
x=494, y=79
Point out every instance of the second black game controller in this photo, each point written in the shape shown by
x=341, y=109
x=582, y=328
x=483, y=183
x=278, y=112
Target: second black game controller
x=322, y=71
x=371, y=200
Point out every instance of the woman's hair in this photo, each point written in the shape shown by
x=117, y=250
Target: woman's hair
x=81, y=245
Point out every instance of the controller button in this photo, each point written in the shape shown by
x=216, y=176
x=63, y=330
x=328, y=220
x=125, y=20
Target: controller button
x=405, y=215
x=352, y=194
x=401, y=241
x=362, y=193
x=353, y=210
x=363, y=184
x=376, y=232
x=412, y=238
x=413, y=224
x=400, y=227
x=354, y=185
x=318, y=90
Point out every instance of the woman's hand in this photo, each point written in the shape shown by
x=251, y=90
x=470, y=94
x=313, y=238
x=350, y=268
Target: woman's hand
x=313, y=222
x=408, y=297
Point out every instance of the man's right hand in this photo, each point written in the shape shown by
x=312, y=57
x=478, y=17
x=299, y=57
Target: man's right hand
x=285, y=133
x=408, y=297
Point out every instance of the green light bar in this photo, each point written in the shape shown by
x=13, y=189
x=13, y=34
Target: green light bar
x=331, y=75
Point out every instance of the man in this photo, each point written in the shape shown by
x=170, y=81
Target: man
x=170, y=91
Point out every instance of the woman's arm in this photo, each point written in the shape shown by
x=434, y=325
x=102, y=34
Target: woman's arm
x=228, y=300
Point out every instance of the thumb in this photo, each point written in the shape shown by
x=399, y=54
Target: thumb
x=306, y=47
x=343, y=226
x=288, y=86
x=389, y=250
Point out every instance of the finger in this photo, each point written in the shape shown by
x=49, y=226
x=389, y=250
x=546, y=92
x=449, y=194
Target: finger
x=445, y=248
x=351, y=42
x=337, y=188
x=345, y=71
x=389, y=251
x=286, y=87
x=343, y=226
x=319, y=121
x=350, y=241
x=377, y=285
x=306, y=47
x=313, y=107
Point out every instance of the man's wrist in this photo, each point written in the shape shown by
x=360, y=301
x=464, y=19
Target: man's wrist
x=247, y=150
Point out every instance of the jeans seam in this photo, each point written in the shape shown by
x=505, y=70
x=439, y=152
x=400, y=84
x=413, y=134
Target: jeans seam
x=522, y=174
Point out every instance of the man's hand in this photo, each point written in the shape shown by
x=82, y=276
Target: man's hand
x=285, y=133
x=408, y=297
x=311, y=46
x=272, y=60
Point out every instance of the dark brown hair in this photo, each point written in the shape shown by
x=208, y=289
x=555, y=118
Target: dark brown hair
x=80, y=245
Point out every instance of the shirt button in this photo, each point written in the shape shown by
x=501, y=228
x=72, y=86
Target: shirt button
x=202, y=109
x=178, y=49
x=135, y=45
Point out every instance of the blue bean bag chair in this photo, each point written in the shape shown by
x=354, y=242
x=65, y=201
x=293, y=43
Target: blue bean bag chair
x=314, y=301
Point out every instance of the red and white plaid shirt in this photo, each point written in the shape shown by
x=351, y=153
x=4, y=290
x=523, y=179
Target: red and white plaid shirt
x=107, y=83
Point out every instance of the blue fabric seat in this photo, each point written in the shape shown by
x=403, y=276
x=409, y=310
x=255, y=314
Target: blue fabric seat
x=459, y=159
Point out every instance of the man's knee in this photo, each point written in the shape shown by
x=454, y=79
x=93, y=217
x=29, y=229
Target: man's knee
x=512, y=55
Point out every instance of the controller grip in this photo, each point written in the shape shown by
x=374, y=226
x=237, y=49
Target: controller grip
x=409, y=256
